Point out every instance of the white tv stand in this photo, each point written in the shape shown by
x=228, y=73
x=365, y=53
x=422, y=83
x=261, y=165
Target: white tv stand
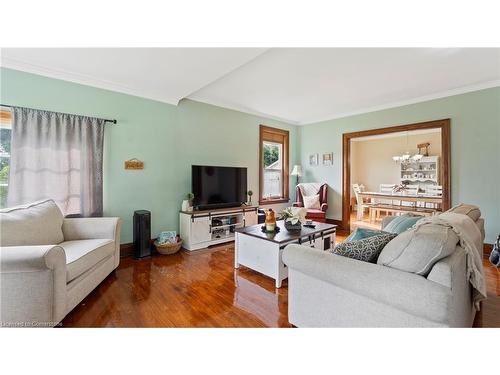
x=203, y=228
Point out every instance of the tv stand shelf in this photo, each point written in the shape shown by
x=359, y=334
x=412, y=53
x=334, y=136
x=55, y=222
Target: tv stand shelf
x=202, y=228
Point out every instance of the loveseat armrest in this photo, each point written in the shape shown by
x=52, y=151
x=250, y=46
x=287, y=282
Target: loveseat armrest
x=297, y=204
x=90, y=228
x=33, y=285
x=405, y=291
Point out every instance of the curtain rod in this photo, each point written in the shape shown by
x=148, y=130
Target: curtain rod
x=105, y=120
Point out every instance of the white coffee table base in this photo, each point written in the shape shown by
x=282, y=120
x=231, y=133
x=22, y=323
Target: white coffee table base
x=260, y=255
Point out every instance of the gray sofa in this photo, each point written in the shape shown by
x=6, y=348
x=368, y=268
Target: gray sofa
x=48, y=263
x=326, y=290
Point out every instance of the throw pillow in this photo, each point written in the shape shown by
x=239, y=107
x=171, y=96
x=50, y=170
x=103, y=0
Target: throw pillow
x=401, y=223
x=38, y=223
x=417, y=250
x=360, y=233
x=366, y=250
x=312, y=201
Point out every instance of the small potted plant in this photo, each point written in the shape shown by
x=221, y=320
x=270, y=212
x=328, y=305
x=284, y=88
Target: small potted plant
x=294, y=217
x=249, y=193
x=187, y=204
x=190, y=197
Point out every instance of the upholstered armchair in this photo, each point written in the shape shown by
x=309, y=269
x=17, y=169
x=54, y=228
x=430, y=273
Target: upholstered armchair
x=313, y=189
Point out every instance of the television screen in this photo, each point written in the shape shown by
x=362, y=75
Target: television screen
x=217, y=187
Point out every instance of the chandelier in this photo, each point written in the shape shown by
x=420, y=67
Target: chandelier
x=406, y=158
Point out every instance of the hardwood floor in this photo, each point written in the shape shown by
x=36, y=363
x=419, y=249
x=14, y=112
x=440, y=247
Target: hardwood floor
x=202, y=289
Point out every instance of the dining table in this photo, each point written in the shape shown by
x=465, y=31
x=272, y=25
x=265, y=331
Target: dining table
x=405, y=197
x=435, y=201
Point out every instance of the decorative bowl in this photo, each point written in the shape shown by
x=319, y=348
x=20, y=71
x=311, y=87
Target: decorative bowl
x=293, y=227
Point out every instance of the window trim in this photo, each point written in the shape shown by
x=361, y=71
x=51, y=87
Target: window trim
x=269, y=134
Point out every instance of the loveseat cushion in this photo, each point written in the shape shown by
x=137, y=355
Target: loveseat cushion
x=417, y=250
x=38, y=223
x=81, y=255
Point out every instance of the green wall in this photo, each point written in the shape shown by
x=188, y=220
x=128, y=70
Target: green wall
x=475, y=151
x=169, y=139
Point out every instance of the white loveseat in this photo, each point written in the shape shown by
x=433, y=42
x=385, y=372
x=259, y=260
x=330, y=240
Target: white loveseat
x=48, y=263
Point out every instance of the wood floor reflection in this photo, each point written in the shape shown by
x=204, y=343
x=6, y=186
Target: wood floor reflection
x=202, y=289
x=188, y=289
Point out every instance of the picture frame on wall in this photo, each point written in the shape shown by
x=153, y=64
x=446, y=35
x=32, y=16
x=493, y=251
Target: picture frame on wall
x=313, y=160
x=328, y=159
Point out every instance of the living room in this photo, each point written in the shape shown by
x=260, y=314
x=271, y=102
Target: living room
x=278, y=186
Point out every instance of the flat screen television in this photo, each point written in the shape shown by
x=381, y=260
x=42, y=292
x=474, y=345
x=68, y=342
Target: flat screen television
x=218, y=187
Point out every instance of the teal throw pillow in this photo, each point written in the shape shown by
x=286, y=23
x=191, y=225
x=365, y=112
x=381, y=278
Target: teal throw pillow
x=401, y=223
x=360, y=233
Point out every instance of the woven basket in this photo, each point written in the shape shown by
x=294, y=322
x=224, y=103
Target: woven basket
x=168, y=248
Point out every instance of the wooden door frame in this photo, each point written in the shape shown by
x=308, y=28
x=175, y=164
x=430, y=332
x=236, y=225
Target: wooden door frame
x=445, y=170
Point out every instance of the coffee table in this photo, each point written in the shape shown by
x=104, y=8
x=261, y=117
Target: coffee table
x=262, y=251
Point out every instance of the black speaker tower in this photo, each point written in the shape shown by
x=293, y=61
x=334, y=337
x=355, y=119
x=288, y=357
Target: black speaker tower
x=142, y=234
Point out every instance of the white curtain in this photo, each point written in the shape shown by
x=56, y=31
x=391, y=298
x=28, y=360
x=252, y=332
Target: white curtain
x=58, y=156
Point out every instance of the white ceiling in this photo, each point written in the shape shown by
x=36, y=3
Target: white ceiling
x=297, y=85
x=164, y=74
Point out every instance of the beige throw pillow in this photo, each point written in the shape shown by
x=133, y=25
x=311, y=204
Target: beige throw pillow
x=38, y=223
x=417, y=250
x=312, y=201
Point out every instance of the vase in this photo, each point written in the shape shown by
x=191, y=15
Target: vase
x=293, y=227
x=185, y=205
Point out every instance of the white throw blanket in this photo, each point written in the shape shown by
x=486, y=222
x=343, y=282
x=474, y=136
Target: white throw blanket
x=309, y=188
x=471, y=241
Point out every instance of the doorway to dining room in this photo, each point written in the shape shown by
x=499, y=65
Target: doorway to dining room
x=395, y=170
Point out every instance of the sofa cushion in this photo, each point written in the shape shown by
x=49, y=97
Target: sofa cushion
x=367, y=249
x=467, y=209
x=401, y=223
x=38, y=223
x=417, y=250
x=82, y=255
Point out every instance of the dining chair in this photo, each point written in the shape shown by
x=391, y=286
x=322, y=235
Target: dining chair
x=386, y=189
x=411, y=190
x=360, y=203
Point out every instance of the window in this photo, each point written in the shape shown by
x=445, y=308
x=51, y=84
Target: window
x=273, y=171
x=5, y=131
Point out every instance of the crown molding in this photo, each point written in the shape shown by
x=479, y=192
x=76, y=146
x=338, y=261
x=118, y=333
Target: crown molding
x=111, y=86
x=240, y=108
x=420, y=99
x=83, y=80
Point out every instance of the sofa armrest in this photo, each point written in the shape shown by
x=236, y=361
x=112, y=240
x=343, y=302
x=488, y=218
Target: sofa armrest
x=297, y=204
x=31, y=258
x=324, y=207
x=405, y=291
x=91, y=228
x=33, y=285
